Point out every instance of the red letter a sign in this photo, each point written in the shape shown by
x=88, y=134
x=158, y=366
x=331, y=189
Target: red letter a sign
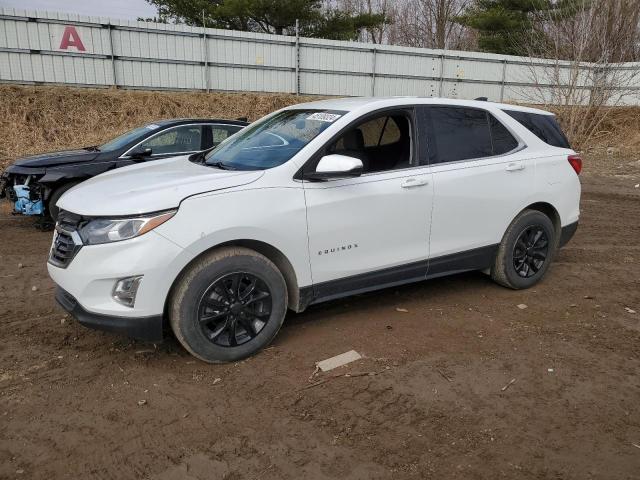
x=70, y=38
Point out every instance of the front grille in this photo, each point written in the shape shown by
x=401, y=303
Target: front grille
x=66, y=240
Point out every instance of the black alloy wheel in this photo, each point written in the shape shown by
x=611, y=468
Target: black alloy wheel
x=530, y=251
x=235, y=309
x=526, y=250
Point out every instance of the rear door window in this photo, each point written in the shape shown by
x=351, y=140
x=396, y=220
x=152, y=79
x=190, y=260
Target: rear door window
x=545, y=127
x=458, y=134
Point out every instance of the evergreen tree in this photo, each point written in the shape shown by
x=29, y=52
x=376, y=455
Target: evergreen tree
x=504, y=25
x=269, y=16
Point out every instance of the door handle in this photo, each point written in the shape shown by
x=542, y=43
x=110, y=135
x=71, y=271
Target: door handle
x=514, y=167
x=414, y=182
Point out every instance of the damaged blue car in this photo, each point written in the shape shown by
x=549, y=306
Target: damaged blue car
x=34, y=184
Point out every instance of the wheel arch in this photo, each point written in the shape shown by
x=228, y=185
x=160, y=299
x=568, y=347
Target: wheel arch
x=51, y=186
x=276, y=256
x=551, y=212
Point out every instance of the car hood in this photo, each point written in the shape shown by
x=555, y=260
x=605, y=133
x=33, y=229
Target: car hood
x=150, y=187
x=55, y=158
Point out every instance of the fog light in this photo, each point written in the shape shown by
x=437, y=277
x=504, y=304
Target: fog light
x=125, y=290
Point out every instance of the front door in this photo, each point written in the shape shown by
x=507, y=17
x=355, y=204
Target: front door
x=372, y=230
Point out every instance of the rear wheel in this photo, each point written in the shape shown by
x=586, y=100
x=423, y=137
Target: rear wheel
x=55, y=196
x=526, y=250
x=228, y=305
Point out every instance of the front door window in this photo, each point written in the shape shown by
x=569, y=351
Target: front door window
x=175, y=140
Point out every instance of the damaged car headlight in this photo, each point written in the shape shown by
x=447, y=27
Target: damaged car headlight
x=107, y=230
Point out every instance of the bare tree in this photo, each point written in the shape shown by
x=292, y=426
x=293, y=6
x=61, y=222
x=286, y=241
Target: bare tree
x=414, y=23
x=430, y=24
x=582, y=75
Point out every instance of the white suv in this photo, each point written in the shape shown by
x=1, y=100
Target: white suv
x=311, y=203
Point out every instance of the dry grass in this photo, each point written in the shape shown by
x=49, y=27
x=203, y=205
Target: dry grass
x=41, y=119
x=619, y=129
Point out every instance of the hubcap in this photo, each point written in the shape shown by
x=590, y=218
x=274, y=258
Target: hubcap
x=234, y=309
x=530, y=251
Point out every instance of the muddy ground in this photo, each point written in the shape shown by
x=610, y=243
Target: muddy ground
x=463, y=385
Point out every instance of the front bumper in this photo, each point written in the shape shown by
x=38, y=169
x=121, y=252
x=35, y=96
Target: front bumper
x=94, y=270
x=567, y=233
x=142, y=328
x=23, y=191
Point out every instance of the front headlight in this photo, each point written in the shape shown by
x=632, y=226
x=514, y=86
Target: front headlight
x=106, y=230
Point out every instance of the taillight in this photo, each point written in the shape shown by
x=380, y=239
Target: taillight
x=576, y=163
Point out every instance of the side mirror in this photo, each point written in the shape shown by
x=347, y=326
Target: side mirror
x=141, y=153
x=336, y=166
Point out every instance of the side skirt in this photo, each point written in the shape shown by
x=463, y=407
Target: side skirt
x=476, y=259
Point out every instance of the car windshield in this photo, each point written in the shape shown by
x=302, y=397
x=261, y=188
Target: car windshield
x=272, y=141
x=127, y=138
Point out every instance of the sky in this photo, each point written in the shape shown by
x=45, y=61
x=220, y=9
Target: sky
x=125, y=9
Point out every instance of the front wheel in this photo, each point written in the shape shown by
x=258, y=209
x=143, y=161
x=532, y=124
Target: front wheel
x=228, y=305
x=526, y=250
x=55, y=196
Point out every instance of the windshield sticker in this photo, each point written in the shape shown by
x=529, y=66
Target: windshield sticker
x=324, y=117
x=152, y=126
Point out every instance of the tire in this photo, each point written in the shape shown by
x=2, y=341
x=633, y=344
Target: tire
x=519, y=263
x=207, y=290
x=55, y=196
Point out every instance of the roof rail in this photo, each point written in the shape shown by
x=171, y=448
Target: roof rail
x=482, y=99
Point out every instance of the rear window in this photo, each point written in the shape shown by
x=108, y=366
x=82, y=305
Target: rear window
x=459, y=133
x=502, y=140
x=545, y=127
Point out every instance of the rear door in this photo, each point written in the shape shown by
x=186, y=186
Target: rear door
x=482, y=177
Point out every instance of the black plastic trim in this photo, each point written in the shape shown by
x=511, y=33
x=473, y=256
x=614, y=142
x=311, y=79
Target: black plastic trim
x=142, y=328
x=567, y=233
x=366, y=282
x=475, y=259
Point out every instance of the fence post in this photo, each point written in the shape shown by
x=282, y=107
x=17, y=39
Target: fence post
x=440, y=87
x=205, y=50
x=297, y=79
x=504, y=78
x=373, y=73
x=113, y=58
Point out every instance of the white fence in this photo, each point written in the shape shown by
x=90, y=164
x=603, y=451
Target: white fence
x=44, y=47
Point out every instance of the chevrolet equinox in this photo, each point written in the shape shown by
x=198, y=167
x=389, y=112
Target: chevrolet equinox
x=311, y=203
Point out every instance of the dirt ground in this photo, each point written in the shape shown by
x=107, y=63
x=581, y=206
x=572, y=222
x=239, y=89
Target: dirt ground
x=464, y=384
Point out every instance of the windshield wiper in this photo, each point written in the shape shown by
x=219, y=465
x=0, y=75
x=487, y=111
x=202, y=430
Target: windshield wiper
x=221, y=166
x=92, y=148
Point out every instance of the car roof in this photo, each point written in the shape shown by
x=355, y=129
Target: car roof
x=356, y=103
x=181, y=121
